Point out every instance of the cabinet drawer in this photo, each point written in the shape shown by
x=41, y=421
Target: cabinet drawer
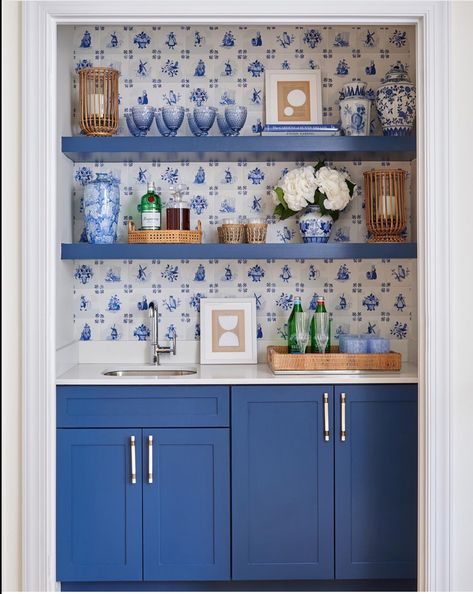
x=142, y=406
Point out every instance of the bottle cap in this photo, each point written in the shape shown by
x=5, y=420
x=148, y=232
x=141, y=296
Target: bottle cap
x=297, y=300
x=176, y=193
x=151, y=187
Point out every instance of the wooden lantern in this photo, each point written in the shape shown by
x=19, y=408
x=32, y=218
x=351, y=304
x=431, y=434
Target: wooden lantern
x=385, y=204
x=98, y=101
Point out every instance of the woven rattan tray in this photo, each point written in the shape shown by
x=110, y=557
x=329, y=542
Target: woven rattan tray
x=139, y=236
x=281, y=362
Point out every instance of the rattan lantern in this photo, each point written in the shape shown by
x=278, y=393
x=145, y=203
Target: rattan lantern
x=385, y=204
x=98, y=100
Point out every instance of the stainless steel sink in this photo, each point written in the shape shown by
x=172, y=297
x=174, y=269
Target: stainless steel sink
x=149, y=372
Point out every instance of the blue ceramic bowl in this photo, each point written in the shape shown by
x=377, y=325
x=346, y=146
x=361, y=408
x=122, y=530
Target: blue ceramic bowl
x=163, y=129
x=196, y=131
x=223, y=126
x=355, y=343
x=204, y=118
x=377, y=344
x=143, y=116
x=131, y=125
x=173, y=116
x=236, y=117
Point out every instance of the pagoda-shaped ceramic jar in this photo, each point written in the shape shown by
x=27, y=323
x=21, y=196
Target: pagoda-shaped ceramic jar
x=355, y=109
x=396, y=102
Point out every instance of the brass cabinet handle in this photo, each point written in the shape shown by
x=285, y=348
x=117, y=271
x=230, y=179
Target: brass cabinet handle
x=326, y=420
x=343, y=405
x=150, y=459
x=133, y=459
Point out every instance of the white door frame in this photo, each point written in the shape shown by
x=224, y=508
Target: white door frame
x=40, y=251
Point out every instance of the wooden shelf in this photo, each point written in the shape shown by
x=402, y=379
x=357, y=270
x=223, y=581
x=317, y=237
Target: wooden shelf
x=280, y=251
x=117, y=149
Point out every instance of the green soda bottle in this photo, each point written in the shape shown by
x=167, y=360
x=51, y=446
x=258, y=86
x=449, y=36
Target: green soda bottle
x=150, y=209
x=320, y=307
x=291, y=327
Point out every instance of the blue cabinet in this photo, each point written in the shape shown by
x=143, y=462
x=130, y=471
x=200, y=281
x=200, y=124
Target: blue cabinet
x=186, y=504
x=376, y=481
x=98, y=506
x=282, y=483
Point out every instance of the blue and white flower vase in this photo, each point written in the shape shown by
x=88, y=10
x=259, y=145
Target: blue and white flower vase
x=314, y=226
x=355, y=110
x=396, y=102
x=101, y=208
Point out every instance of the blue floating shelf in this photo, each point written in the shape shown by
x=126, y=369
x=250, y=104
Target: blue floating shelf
x=280, y=251
x=117, y=149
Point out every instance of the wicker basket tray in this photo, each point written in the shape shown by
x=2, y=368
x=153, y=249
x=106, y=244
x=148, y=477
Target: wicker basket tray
x=281, y=362
x=144, y=236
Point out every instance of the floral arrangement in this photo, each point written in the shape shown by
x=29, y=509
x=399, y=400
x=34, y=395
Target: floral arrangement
x=316, y=184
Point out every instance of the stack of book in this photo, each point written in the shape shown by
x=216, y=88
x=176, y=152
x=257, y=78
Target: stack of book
x=301, y=130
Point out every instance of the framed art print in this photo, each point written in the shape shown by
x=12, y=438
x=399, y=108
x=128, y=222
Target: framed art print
x=227, y=331
x=293, y=97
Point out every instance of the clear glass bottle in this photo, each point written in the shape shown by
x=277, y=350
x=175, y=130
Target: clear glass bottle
x=292, y=346
x=150, y=209
x=320, y=307
x=178, y=211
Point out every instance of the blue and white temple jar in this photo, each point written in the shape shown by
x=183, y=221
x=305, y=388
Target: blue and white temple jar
x=314, y=226
x=101, y=208
x=355, y=109
x=396, y=102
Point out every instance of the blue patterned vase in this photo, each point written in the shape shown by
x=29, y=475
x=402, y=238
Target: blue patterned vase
x=396, y=102
x=314, y=226
x=101, y=208
x=355, y=109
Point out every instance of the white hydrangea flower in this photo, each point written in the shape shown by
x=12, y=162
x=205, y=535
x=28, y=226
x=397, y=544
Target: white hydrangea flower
x=332, y=183
x=299, y=186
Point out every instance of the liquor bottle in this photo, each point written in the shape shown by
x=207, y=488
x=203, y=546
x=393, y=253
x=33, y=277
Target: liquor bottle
x=320, y=307
x=150, y=209
x=291, y=327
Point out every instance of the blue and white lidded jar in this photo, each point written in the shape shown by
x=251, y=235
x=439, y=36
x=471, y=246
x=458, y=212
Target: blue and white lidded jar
x=355, y=109
x=396, y=102
x=314, y=226
x=101, y=208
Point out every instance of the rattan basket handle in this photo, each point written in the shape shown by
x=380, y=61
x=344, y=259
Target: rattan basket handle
x=199, y=226
x=131, y=226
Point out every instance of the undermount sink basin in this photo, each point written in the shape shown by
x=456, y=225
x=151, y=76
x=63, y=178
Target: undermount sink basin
x=149, y=372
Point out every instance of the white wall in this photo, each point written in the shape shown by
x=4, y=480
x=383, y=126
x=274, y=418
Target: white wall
x=460, y=293
x=11, y=271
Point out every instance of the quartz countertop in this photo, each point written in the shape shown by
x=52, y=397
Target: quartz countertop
x=92, y=374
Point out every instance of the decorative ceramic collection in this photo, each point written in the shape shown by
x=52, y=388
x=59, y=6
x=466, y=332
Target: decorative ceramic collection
x=396, y=102
x=314, y=226
x=355, y=109
x=101, y=208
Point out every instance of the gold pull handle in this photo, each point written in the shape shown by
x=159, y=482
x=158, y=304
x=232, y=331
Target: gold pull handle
x=326, y=426
x=343, y=405
x=150, y=459
x=133, y=459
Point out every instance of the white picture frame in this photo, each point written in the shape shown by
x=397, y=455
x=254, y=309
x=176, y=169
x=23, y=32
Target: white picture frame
x=286, y=99
x=227, y=331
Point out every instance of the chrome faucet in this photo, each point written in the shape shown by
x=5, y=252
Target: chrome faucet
x=156, y=348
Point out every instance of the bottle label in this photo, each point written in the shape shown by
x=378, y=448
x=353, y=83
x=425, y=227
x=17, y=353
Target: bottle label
x=151, y=220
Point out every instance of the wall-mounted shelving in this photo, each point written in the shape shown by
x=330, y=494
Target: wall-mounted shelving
x=281, y=251
x=87, y=149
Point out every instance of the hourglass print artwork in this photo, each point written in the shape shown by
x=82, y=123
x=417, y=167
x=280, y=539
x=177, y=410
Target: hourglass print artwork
x=293, y=97
x=228, y=330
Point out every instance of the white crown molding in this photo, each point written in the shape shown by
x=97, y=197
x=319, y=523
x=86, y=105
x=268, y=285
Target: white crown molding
x=39, y=140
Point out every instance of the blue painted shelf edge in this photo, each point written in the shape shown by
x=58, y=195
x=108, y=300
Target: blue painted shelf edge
x=213, y=251
x=151, y=148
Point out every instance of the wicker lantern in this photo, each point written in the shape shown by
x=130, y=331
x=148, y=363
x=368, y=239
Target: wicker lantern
x=385, y=204
x=98, y=91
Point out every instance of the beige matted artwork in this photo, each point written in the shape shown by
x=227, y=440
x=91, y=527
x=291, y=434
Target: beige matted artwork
x=293, y=97
x=227, y=330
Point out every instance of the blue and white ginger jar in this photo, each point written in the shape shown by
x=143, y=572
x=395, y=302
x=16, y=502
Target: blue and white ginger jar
x=355, y=109
x=314, y=226
x=101, y=208
x=396, y=102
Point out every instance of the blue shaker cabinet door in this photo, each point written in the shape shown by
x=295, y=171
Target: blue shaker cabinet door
x=282, y=483
x=376, y=482
x=98, y=506
x=186, y=507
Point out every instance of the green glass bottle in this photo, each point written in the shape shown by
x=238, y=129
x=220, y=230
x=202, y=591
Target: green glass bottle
x=291, y=327
x=150, y=209
x=320, y=307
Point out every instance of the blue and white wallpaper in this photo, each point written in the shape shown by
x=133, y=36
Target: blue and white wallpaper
x=217, y=66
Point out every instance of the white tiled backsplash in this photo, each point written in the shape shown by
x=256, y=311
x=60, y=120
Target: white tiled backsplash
x=110, y=297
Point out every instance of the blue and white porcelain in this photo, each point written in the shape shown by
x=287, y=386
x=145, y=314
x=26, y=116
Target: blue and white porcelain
x=173, y=116
x=356, y=88
x=204, y=117
x=194, y=128
x=314, y=226
x=162, y=128
x=101, y=208
x=396, y=102
x=134, y=130
x=355, y=116
x=236, y=117
x=223, y=126
x=143, y=116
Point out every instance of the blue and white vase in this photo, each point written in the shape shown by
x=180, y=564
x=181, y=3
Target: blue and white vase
x=101, y=208
x=314, y=226
x=355, y=110
x=396, y=102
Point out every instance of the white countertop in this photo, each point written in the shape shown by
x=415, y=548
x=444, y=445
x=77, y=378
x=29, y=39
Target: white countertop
x=92, y=374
